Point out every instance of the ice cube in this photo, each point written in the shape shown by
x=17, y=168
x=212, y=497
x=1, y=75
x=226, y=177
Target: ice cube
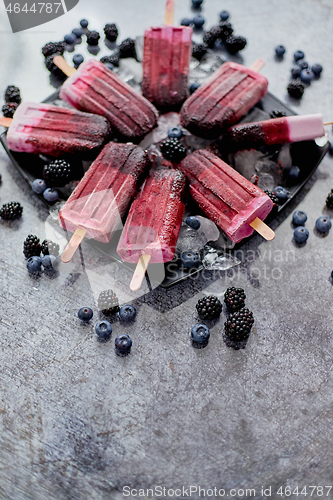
x=190, y=240
x=266, y=166
x=219, y=260
x=245, y=161
x=284, y=157
x=139, y=47
x=209, y=228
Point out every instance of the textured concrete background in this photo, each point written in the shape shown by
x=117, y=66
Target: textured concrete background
x=78, y=422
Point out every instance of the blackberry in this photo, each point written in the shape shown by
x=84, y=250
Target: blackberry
x=12, y=94
x=209, y=307
x=226, y=30
x=276, y=113
x=173, y=150
x=32, y=246
x=329, y=200
x=113, y=59
x=108, y=302
x=57, y=173
x=235, y=43
x=9, y=109
x=272, y=196
x=52, y=68
x=295, y=89
x=11, y=211
x=52, y=48
x=50, y=248
x=127, y=48
x=211, y=36
x=93, y=37
x=111, y=32
x=239, y=324
x=234, y=298
x=198, y=51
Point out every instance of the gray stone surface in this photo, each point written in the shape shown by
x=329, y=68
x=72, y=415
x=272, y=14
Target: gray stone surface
x=78, y=422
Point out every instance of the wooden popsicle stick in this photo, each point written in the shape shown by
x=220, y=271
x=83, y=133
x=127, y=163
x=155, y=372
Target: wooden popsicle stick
x=139, y=272
x=60, y=62
x=169, y=12
x=5, y=122
x=328, y=123
x=257, y=65
x=73, y=245
x=262, y=228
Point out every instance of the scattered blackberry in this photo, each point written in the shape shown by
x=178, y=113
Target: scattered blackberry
x=272, y=196
x=57, y=173
x=53, y=48
x=235, y=43
x=11, y=211
x=9, y=109
x=93, y=37
x=211, y=36
x=113, y=59
x=209, y=307
x=127, y=48
x=239, y=324
x=295, y=89
x=226, y=30
x=12, y=94
x=276, y=113
x=199, y=50
x=111, y=32
x=234, y=298
x=52, y=68
x=329, y=200
x=32, y=246
x=108, y=302
x=173, y=150
x=50, y=248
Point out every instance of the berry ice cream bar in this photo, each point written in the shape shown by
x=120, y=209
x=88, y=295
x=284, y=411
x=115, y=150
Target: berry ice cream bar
x=225, y=196
x=96, y=89
x=226, y=96
x=166, y=60
x=275, y=131
x=55, y=131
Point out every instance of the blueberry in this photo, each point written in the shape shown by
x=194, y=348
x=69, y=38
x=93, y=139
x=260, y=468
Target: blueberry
x=224, y=15
x=323, y=224
x=294, y=172
x=200, y=334
x=51, y=195
x=198, y=21
x=186, y=22
x=299, y=218
x=103, y=329
x=281, y=193
x=299, y=54
x=34, y=264
x=196, y=3
x=301, y=234
x=280, y=50
x=295, y=72
x=307, y=76
x=85, y=314
x=77, y=32
x=39, y=186
x=316, y=69
x=77, y=60
x=48, y=261
x=84, y=23
x=189, y=259
x=193, y=222
x=123, y=343
x=302, y=64
x=175, y=132
x=194, y=87
x=70, y=39
x=127, y=313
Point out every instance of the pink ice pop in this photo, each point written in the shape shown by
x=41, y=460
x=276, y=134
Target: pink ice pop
x=225, y=196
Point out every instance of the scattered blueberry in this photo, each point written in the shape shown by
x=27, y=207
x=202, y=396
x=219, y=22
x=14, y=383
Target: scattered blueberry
x=301, y=234
x=85, y=314
x=196, y=3
x=317, y=69
x=189, y=259
x=48, y=261
x=77, y=60
x=200, y=334
x=198, y=21
x=281, y=193
x=123, y=344
x=299, y=218
x=70, y=39
x=295, y=72
x=127, y=313
x=51, y=195
x=280, y=50
x=294, y=172
x=175, y=132
x=224, y=15
x=299, y=54
x=103, y=329
x=39, y=186
x=307, y=76
x=77, y=32
x=302, y=64
x=84, y=23
x=186, y=21
x=194, y=87
x=323, y=224
x=193, y=222
x=34, y=264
